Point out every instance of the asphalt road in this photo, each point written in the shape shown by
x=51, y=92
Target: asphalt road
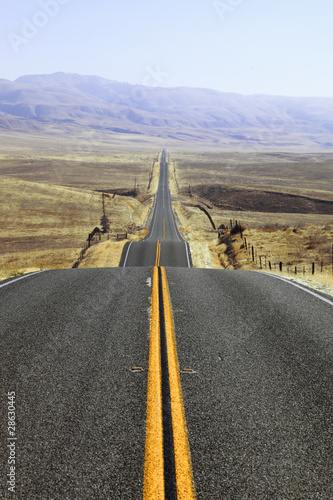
x=258, y=407
x=68, y=342
x=174, y=250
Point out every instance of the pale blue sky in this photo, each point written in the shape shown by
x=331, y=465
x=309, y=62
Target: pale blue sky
x=247, y=46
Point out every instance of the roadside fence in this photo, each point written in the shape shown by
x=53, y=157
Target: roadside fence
x=321, y=264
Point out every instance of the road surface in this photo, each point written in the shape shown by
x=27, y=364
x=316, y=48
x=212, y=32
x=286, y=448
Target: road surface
x=256, y=393
x=174, y=250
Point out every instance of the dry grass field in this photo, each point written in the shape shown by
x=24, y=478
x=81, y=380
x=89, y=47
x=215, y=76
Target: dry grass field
x=103, y=172
x=284, y=202
x=50, y=203
x=284, y=170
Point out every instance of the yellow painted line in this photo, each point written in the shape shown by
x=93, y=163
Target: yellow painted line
x=163, y=230
x=184, y=475
x=163, y=186
x=154, y=460
x=158, y=254
x=156, y=259
x=163, y=205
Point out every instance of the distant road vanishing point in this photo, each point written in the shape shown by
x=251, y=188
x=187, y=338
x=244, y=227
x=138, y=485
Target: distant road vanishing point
x=163, y=234
x=157, y=380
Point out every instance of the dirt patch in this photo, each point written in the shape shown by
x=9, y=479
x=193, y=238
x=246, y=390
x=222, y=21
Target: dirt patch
x=257, y=200
x=120, y=191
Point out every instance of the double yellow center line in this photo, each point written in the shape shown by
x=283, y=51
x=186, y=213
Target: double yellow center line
x=158, y=248
x=161, y=318
x=158, y=254
x=154, y=484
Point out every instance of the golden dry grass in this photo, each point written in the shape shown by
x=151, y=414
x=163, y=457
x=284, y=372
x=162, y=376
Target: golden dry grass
x=300, y=173
x=49, y=205
x=296, y=239
x=106, y=254
x=86, y=171
x=44, y=226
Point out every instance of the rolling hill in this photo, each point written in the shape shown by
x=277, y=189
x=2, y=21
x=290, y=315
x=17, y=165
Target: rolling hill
x=71, y=104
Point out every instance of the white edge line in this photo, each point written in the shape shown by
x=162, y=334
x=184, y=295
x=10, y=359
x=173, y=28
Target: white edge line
x=188, y=258
x=174, y=223
x=153, y=220
x=21, y=278
x=153, y=225
x=125, y=261
x=301, y=287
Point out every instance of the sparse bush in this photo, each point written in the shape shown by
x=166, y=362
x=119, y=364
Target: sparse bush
x=237, y=229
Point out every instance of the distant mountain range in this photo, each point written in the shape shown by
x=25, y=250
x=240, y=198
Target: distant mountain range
x=74, y=103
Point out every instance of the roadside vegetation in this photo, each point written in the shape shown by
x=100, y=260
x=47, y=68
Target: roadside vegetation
x=49, y=206
x=51, y=202
x=288, y=220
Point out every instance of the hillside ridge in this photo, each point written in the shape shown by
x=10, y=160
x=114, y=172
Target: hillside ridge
x=183, y=114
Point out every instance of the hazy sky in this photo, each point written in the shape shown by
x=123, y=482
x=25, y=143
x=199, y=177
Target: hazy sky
x=246, y=46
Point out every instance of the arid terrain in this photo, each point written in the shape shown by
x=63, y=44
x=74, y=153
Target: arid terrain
x=91, y=106
x=283, y=202
x=50, y=202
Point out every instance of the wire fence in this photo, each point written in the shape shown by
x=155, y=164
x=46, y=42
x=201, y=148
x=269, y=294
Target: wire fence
x=322, y=264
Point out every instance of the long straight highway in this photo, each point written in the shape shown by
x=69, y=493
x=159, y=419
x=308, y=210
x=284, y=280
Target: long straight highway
x=173, y=250
x=157, y=380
